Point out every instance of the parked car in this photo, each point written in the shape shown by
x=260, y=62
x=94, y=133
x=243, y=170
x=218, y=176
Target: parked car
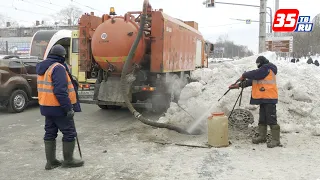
x=18, y=82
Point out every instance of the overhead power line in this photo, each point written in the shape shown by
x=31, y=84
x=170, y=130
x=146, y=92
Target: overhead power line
x=221, y=25
x=73, y=1
x=51, y=3
x=16, y=20
x=22, y=10
x=26, y=1
x=86, y=6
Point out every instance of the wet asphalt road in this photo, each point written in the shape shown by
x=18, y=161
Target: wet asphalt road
x=21, y=144
x=116, y=146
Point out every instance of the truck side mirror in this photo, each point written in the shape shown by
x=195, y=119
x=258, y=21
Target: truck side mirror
x=211, y=47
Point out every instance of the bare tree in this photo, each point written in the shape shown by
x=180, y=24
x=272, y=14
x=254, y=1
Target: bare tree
x=71, y=13
x=2, y=20
x=223, y=38
x=300, y=44
x=305, y=43
x=231, y=49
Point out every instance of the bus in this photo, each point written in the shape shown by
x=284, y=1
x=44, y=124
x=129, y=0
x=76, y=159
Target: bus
x=41, y=44
x=43, y=40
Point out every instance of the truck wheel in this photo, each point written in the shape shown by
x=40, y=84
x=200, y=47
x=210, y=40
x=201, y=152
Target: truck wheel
x=186, y=80
x=109, y=107
x=160, y=103
x=17, y=101
x=114, y=107
x=103, y=106
x=175, y=88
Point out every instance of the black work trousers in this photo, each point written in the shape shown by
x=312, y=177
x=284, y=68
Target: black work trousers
x=64, y=124
x=268, y=114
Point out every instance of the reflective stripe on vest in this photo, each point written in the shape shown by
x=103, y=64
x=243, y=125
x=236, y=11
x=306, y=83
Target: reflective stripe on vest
x=265, y=88
x=45, y=87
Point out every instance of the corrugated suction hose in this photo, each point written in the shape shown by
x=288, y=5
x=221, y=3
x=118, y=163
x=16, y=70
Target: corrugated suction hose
x=124, y=83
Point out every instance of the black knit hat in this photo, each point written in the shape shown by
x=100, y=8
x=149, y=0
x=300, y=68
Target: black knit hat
x=58, y=50
x=261, y=60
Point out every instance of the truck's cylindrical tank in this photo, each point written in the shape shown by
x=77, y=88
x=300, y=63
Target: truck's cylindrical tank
x=111, y=43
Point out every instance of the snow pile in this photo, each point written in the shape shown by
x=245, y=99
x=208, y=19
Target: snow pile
x=298, y=109
x=218, y=60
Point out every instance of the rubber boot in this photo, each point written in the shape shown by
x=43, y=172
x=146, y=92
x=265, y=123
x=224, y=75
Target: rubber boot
x=50, y=149
x=262, y=137
x=69, y=161
x=275, y=133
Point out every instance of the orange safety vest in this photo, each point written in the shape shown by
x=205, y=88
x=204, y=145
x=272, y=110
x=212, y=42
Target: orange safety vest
x=46, y=96
x=265, y=88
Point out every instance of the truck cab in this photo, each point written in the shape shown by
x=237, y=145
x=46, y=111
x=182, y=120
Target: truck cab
x=41, y=44
x=86, y=85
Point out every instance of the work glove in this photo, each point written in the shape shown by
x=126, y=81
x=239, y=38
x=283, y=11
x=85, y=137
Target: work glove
x=74, y=81
x=241, y=79
x=234, y=86
x=70, y=113
x=242, y=84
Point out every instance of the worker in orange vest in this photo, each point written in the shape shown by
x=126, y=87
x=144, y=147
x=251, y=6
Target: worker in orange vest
x=265, y=94
x=58, y=102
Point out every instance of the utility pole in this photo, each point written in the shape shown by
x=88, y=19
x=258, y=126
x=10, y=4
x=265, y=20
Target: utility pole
x=262, y=26
x=262, y=21
x=275, y=10
x=276, y=5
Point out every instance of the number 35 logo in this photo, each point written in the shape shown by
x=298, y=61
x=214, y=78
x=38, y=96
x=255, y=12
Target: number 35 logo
x=285, y=20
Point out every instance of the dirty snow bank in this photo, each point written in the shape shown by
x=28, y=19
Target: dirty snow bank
x=298, y=109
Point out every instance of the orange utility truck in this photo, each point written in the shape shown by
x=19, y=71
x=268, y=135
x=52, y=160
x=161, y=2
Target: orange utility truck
x=166, y=52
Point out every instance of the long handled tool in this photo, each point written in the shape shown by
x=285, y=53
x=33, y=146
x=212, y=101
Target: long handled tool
x=75, y=124
x=238, y=99
x=79, y=147
x=228, y=90
x=77, y=140
x=224, y=94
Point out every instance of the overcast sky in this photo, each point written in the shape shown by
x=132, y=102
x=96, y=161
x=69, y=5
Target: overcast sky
x=212, y=22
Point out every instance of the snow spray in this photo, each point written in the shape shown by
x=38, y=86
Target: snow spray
x=194, y=125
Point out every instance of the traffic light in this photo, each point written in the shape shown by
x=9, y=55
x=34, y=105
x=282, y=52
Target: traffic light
x=211, y=47
x=210, y=3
